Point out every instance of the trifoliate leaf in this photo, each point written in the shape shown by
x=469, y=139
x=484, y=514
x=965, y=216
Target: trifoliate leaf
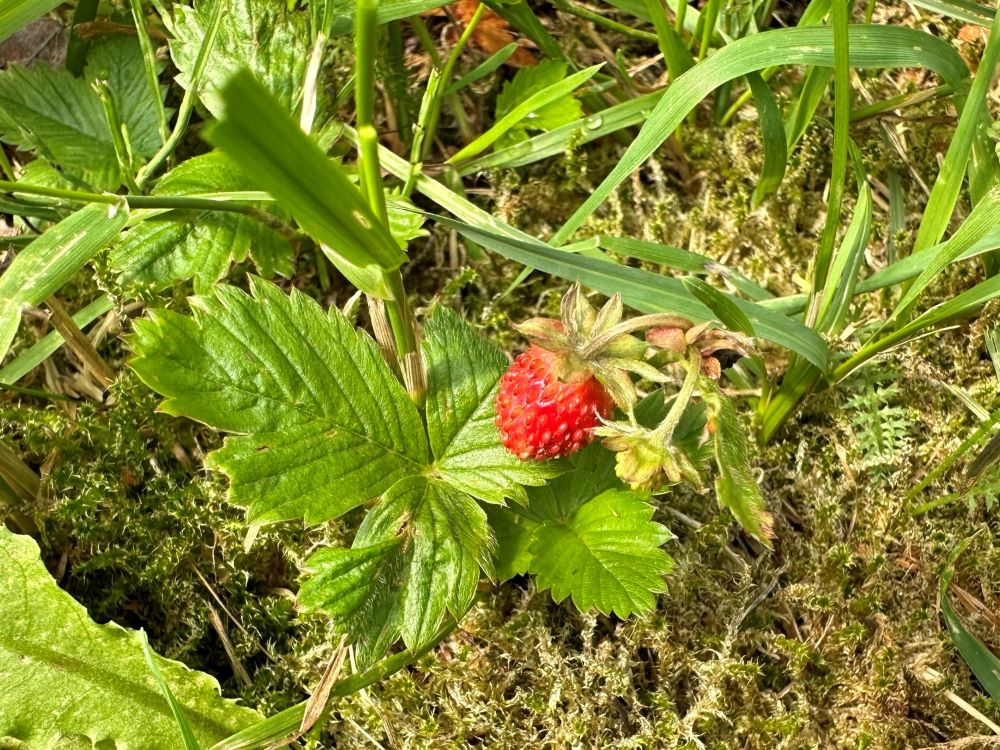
x=325, y=425
x=530, y=81
x=607, y=555
x=463, y=370
x=60, y=117
x=262, y=36
x=198, y=244
x=67, y=682
x=736, y=487
x=417, y=555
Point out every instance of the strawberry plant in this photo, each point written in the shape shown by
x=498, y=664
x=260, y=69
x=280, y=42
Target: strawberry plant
x=227, y=209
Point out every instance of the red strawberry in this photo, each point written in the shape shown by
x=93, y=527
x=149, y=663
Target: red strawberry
x=542, y=415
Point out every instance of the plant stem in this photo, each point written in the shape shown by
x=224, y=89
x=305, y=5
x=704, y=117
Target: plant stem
x=597, y=19
x=665, y=431
x=187, y=103
x=76, y=48
x=149, y=62
x=401, y=318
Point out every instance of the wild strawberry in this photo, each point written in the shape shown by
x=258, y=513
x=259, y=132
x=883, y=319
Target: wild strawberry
x=546, y=408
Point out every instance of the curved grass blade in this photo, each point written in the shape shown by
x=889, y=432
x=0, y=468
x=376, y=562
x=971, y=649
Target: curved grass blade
x=183, y=725
x=534, y=102
x=42, y=267
x=870, y=47
x=944, y=195
x=484, y=68
x=16, y=13
x=643, y=290
x=772, y=131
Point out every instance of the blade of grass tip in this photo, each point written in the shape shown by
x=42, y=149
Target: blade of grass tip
x=944, y=194
x=983, y=662
x=804, y=106
x=897, y=216
x=484, y=68
x=183, y=725
x=980, y=434
x=534, y=102
x=961, y=10
x=772, y=132
x=872, y=47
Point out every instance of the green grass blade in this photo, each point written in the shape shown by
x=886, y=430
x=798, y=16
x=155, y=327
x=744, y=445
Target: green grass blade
x=643, y=290
x=52, y=259
x=772, y=131
x=944, y=194
x=388, y=10
x=553, y=142
x=183, y=725
x=29, y=359
x=534, y=102
x=962, y=10
x=484, y=68
x=260, y=136
x=983, y=662
x=803, y=108
x=725, y=309
x=838, y=291
x=682, y=260
x=16, y=13
x=985, y=216
x=870, y=47
x=675, y=52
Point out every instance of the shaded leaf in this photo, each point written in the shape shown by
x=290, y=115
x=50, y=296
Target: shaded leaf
x=63, y=676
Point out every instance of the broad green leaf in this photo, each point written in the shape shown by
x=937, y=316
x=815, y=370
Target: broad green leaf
x=42, y=267
x=63, y=678
x=416, y=556
x=15, y=14
x=265, y=142
x=59, y=117
x=870, y=46
x=532, y=105
x=736, y=488
x=262, y=36
x=606, y=556
x=325, y=425
x=463, y=370
x=528, y=82
x=201, y=244
x=513, y=532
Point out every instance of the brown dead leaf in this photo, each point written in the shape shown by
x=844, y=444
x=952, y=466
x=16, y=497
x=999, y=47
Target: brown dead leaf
x=492, y=34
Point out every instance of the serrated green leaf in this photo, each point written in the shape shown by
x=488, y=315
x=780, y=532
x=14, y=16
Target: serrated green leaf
x=198, y=245
x=606, y=556
x=63, y=677
x=463, y=370
x=417, y=555
x=526, y=83
x=513, y=531
x=263, y=37
x=325, y=424
x=61, y=118
x=51, y=259
x=736, y=488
